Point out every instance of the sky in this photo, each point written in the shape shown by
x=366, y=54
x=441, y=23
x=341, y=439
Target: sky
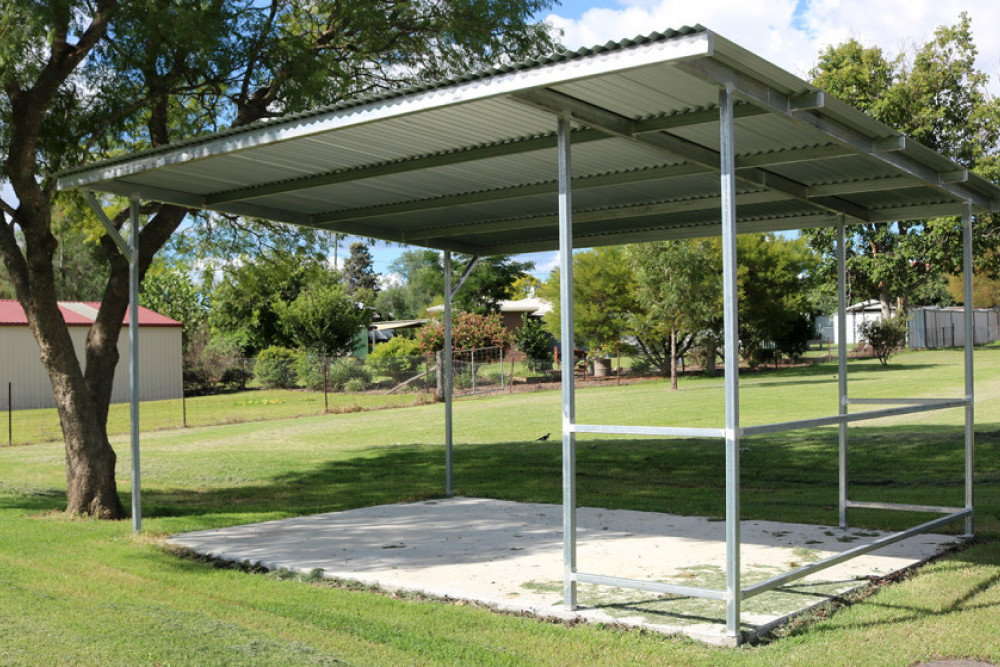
x=789, y=33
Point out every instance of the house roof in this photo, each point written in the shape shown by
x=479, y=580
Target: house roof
x=80, y=313
x=391, y=325
x=470, y=164
x=531, y=305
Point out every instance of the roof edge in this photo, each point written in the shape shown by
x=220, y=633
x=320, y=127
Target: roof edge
x=676, y=45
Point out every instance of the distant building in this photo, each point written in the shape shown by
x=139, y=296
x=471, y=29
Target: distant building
x=513, y=312
x=160, y=364
x=866, y=311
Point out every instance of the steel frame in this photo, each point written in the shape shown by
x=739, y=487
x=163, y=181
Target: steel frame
x=530, y=87
x=732, y=432
x=130, y=250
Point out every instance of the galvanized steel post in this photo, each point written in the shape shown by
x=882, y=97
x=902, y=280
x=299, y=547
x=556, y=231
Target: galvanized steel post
x=842, y=365
x=447, y=374
x=133, y=338
x=969, y=379
x=568, y=362
x=727, y=167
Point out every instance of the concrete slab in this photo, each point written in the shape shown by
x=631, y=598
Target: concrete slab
x=509, y=555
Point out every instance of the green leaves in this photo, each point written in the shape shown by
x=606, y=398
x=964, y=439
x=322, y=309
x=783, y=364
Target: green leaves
x=939, y=99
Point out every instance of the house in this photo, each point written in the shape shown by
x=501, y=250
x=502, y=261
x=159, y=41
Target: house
x=866, y=311
x=160, y=363
x=514, y=311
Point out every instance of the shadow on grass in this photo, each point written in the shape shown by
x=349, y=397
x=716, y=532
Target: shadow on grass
x=974, y=573
x=789, y=477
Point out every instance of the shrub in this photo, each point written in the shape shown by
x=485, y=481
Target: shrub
x=641, y=366
x=469, y=331
x=344, y=370
x=309, y=368
x=794, y=341
x=884, y=337
x=235, y=377
x=207, y=365
x=398, y=359
x=535, y=342
x=275, y=368
x=355, y=385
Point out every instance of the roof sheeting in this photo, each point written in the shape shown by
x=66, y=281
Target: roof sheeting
x=470, y=164
x=80, y=314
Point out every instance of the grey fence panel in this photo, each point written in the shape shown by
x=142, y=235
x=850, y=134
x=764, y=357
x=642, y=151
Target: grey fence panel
x=945, y=327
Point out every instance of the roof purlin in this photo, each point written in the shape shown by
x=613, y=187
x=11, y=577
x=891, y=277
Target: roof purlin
x=760, y=93
x=679, y=148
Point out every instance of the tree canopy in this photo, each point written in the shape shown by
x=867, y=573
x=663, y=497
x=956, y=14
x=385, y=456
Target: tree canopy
x=939, y=99
x=86, y=80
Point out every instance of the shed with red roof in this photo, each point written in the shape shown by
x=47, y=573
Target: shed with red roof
x=160, y=365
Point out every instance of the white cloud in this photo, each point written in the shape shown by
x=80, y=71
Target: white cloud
x=776, y=32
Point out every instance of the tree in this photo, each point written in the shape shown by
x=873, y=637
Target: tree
x=532, y=339
x=941, y=101
x=359, y=274
x=774, y=277
x=84, y=80
x=323, y=318
x=524, y=287
x=678, y=288
x=422, y=272
x=603, y=297
x=248, y=303
x=170, y=291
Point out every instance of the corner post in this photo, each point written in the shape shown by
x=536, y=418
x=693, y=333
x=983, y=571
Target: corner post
x=969, y=378
x=133, y=337
x=448, y=375
x=727, y=168
x=568, y=362
x=842, y=365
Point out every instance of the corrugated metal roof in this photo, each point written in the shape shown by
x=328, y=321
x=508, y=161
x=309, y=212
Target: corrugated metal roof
x=80, y=313
x=469, y=164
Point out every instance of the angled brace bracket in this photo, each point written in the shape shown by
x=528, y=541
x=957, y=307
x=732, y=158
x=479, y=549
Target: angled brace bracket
x=465, y=275
x=110, y=228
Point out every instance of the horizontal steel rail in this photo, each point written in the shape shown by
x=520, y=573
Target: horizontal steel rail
x=896, y=401
x=857, y=416
x=903, y=507
x=676, y=431
x=806, y=570
x=651, y=586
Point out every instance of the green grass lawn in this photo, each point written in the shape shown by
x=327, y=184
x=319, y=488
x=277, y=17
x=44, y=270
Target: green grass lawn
x=80, y=591
x=32, y=426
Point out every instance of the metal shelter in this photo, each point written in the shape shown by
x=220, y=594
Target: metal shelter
x=677, y=134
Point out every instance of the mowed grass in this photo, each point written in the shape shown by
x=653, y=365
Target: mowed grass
x=80, y=591
x=33, y=426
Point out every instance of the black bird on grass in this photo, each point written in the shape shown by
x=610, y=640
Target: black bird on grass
x=544, y=437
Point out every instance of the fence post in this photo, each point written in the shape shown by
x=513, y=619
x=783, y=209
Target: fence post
x=502, y=385
x=439, y=374
x=472, y=363
x=326, y=398
x=10, y=415
x=184, y=407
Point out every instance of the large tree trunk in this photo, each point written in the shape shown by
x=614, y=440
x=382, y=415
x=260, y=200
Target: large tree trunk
x=885, y=300
x=710, y=353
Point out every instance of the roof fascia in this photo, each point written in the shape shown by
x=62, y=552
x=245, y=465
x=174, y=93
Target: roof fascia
x=675, y=49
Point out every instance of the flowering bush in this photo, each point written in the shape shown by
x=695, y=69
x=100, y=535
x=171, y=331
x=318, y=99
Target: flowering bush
x=468, y=331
